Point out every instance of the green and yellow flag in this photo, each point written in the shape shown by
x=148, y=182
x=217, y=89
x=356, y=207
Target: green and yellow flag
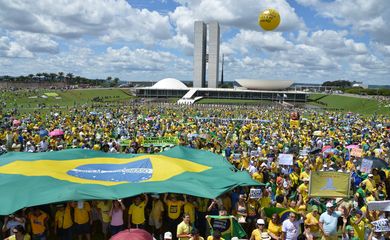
x=226, y=225
x=329, y=184
x=30, y=179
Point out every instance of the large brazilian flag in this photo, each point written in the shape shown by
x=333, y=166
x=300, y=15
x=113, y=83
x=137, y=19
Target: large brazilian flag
x=30, y=179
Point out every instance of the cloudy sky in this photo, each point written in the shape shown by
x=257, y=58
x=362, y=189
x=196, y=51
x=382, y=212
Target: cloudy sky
x=317, y=40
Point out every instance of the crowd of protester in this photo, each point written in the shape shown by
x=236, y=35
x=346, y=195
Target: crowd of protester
x=250, y=137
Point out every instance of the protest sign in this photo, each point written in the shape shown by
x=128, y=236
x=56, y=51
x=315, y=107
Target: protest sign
x=381, y=225
x=285, y=159
x=366, y=166
x=255, y=193
x=160, y=141
x=356, y=152
x=329, y=184
x=379, y=205
x=254, y=153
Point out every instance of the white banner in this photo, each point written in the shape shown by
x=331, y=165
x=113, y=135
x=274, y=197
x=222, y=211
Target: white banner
x=285, y=159
x=381, y=225
x=255, y=193
x=366, y=166
x=379, y=205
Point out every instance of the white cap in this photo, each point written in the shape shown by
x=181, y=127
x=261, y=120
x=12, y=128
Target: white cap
x=329, y=205
x=260, y=221
x=370, y=175
x=167, y=235
x=234, y=238
x=306, y=179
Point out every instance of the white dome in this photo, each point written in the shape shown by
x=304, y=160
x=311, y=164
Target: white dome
x=169, y=83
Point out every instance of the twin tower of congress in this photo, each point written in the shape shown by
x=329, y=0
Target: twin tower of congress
x=203, y=55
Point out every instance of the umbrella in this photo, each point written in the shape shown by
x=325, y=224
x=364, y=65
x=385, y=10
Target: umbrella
x=56, y=132
x=352, y=146
x=378, y=163
x=16, y=122
x=43, y=132
x=317, y=133
x=133, y=234
x=326, y=148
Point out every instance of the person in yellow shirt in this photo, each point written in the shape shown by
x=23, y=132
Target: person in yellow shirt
x=370, y=183
x=260, y=228
x=83, y=219
x=156, y=214
x=63, y=222
x=39, y=223
x=311, y=222
x=104, y=210
x=275, y=227
x=137, y=212
x=174, y=210
x=303, y=189
x=184, y=228
x=358, y=222
x=189, y=208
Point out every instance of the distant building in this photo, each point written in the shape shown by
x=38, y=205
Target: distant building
x=200, y=39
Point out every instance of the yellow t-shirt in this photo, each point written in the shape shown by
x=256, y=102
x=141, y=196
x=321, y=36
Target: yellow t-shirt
x=174, y=209
x=265, y=202
x=258, y=177
x=303, y=190
x=256, y=234
x=294, y=178
x=38, y=223
x=369, y=185
x=190, y=209
x=157, y=209
x=358, y=228
x=137, y=213
x=310, y=219
x=59, y=218
x=303, y=175
x=105, y=209
x=183, y=228
x=13, y=237
x=81, y=215
x=274, y=228
x=211, y=238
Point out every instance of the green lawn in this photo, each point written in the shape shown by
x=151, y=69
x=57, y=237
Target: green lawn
x=348, y=104
x=25, y=103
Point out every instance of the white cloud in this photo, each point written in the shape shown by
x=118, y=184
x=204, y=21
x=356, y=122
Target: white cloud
x=364, y=16
x=109, y=19
x=35, y=42
x=12, y=49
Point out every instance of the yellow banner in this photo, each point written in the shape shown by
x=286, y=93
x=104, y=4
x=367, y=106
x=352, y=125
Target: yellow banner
x=329, y=184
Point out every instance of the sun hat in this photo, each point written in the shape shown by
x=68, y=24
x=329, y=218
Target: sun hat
x=167, y=235
x=329, y=205
x=260, y=221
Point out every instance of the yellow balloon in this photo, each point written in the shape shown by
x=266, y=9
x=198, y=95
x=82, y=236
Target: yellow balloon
x=269, y=19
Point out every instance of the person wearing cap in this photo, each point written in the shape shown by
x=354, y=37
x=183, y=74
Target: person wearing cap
x=311, y=221
x=370, y=183
x=156, y=214
x=348, y=233
x=168, y=236
x=19, y=233
x=328, y=222
x=260, y=228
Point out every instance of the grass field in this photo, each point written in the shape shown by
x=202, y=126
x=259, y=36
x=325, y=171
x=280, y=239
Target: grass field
x=28, y=101
x=348, y=104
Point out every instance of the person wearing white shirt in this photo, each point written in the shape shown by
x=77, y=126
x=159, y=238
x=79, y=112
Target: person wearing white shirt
x=290, y=227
